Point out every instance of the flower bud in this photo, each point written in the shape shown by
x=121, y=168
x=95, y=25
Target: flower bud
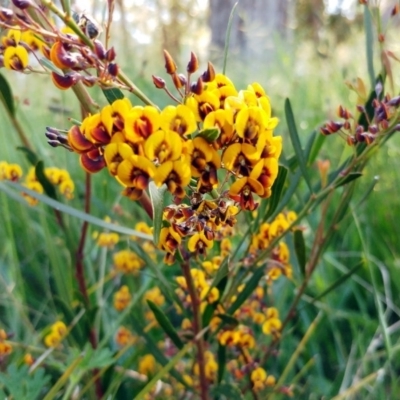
x=159, y=83
x=64, y=82
x=99, y=49
x=176, y=80
x=111, y=54
x=193, y=64
x=183, y=79
x=170, y=65
x=89, y=81
x=395, y=10
x=6, y=15
x=113, y=69
x=22, y=4
x=197, y=87
x=209, y=74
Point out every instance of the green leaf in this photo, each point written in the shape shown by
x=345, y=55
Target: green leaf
x=72, y=211
x=6, y=96
x=23, y=385
x=210, y=135
x=29, y=154
x=277, y=191
x=338, y=282
x=221, y=356
x=113, y=94
x=228, y=36
x=294, y=136
x=222, y=272
x=300, y=249
x=157, y=202
x=165, y=324
x=349, y=178
x=42, y=178
x=228, y=390
x=228, y=320
x=248, y=290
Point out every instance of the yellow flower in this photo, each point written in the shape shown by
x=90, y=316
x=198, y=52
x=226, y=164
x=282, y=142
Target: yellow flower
x=179, y=119
x=147, y=365
x=67, y=188
x=135, y=172
x=114, y=154
x=33, y=40
x=124, y=336
x=163, y=146
x=169, y=240
x=199, y=243
x=250, y=123
x=37, y=187
x=113, y=116
x=175, y=174
x=223, y=121
x=141, y=122
x=203, y=104
x=127, y=261
x=272, y=324
x=57, y=333
x=107, y=239
x=240, y=158
x=155, y=296
x=122, y=298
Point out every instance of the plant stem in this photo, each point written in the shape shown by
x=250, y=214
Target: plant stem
x=196, y=328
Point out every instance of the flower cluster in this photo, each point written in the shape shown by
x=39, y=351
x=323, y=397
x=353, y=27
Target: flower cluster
x=280, y=256
x=366, y=129
x=73, y=48
x=58, y=331
x=57, y=177
x=5, y=347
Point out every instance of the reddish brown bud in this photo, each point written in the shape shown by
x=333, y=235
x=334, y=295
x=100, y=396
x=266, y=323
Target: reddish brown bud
x=344, y=113
x=176, y=80
x=6, y=15
x=198, y=87
x=360, y=108
x=159, y=83
x=111, y=54
x=373, y=129
x=381, y=37
x=363, y=2
x=193, y=64
x=99, y=50
x=22, y=4
x=395, y=102
x=209, y=74
x=183, y=79
x=113, y=69
x=384, y=124
x=170, y=65
x=351, y=140
x=346, y=125
x=395, y=10
x=64, y=82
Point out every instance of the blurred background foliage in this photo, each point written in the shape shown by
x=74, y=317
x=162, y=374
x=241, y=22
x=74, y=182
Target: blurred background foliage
x=305, y=50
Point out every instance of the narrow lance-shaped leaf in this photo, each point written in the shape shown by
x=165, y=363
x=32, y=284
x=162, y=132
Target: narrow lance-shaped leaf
x=29, y=154
x=248, y=289
x=294, y=136
x=6, y=96
x=165, y=324
x=113, y=94
x=300, y=248
x=44, y=181
x=157, y=202
x=277, y=191
x=349, y=178
x=221, y=356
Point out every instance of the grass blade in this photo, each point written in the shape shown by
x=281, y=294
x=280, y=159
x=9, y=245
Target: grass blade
x=157, y=202
x=6, y=96
x=228, y=36
x=165, y=324
x=294, y=136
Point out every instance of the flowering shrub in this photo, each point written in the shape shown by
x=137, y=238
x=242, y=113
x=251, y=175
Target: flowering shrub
x=187, y=304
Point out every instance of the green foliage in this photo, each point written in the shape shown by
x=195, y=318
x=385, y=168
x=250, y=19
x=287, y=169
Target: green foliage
x=20, y=384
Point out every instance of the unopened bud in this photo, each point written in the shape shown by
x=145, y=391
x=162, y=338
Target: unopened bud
x=170, y=65
x=351, y=140
x=346, y=125
x=395, y=102
x=395, y=10
x=384, y=124
x=344, y=113
x=99, y=49
x=89, y=81
x=6, y=15
x=64, y=82
x=176, y=80
x=183, y=79
x=113, y=69
x=111, y=54
x=197, y=87
x=373, y=129
x=209, y=74
x=159, y=83
x=53, y=143
x=22, y=4
x=381, y=38
x=360, y=108
x=193, y=64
